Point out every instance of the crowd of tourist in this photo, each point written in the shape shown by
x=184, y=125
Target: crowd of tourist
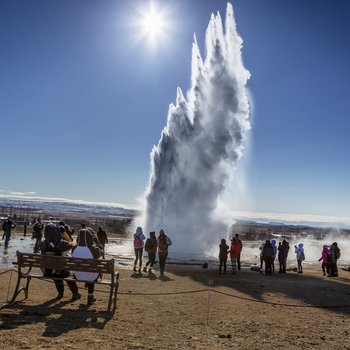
x=57, y=238
x=152, y=245
x=269, y=251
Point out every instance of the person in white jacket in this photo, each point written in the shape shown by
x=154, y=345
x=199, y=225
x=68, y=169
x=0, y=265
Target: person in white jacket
x=300, y=255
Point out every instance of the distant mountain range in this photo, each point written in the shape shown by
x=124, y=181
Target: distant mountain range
x=65, y=206
x=81, y=207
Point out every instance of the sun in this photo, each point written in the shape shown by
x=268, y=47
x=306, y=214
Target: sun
x=153, y=25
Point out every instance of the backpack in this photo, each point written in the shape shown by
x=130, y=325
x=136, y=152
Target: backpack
x=163, y=245
x=52, y=233
x=138, y=242
x=302, y=256
x=151, y=245
x=337, y=253
x=36, y=227
x=7, y=225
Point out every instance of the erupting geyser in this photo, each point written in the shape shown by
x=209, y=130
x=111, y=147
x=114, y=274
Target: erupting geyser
x=201, y=143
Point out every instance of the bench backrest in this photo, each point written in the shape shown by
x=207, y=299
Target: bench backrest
x=64, y=263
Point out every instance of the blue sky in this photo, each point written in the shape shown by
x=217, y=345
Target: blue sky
x=82, y=101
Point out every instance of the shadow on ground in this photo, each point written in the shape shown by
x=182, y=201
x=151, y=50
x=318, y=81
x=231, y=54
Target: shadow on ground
x=57, y=319
x=289, y=289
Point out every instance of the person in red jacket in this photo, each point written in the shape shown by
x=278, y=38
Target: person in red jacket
x=325, y=260
x=234, y=253
x=240, y=250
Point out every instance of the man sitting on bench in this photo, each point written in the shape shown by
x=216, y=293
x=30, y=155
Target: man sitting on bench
x=55, y=245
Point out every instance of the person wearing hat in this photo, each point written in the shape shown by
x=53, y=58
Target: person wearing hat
x=163, y=243
x=234, y=253
x=151, y=249
x=335, y=253
x=54, y=244
x=138, y=247
x=224, y=250
x=300, y=255
x=326, y=260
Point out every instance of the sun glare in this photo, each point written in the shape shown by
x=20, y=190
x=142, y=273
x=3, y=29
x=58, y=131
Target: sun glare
x=152, y=25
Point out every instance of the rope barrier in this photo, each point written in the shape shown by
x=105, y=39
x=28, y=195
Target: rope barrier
x=3, y=272
x=234, y=296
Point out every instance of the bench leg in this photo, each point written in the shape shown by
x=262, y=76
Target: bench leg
x=115, y=295
x=111, y=296
x=17, y=289
x=26, y=289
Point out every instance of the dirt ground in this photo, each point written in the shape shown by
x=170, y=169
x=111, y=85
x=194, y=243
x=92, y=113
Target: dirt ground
x=189, y=308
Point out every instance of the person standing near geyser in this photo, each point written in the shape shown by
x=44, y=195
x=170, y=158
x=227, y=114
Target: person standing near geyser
x=224, y=250
x=151, y=249
x=163, y=243
x=139, y=238
x=240, y=250
x=300, y=255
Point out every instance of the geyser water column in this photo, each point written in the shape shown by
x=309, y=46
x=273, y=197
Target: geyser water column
x=200, y=145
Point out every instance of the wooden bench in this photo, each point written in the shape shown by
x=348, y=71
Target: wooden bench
x=27, y=261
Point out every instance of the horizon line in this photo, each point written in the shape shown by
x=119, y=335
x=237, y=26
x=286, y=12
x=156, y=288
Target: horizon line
x=235, y=214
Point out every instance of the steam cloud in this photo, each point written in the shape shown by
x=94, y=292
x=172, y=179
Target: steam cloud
x=201, y=143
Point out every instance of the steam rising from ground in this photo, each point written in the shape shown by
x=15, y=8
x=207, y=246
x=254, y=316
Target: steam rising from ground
x=201, y=143
x=312, y=247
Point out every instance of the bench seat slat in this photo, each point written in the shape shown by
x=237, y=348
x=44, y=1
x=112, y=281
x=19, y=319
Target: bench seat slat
x=40, y=276
x=66, y=263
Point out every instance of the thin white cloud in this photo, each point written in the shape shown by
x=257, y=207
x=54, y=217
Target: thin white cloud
x=24, y=196
x=289, y=218
x=15, y=193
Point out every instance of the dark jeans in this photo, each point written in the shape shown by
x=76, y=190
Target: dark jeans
x=239, y=261
x=222, y=263
x=162, y=259
x=138, y=256
x=325, y=267
x=90, y=287
x=283, y=264
x=37, y=244
x=7, y=239
x=300, y=266
x=268, y=265
x=151, y=259
x=60, y=285
x=334, y=269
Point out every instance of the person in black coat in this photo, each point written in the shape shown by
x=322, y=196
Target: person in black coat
x=224, y=250
x=102, y=237
x=267, y=254
x=283, y=250
x=7, y=226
